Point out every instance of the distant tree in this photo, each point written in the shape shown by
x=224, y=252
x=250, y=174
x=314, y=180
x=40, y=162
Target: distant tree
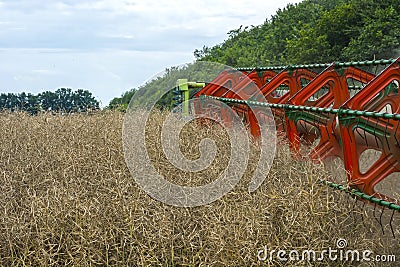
x=48, y=101
x=62, y=100
x=32, y=104
x=83, y=100
x=121, y=103
x=66, y=100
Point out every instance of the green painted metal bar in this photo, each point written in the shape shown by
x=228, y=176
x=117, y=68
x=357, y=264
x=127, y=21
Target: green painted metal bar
x=340, y=112
x=184, y=86
x=322, y=65
x=310, y=66
x=365, y=63
x=196, y=85
x=362, y=195
x=262, y=68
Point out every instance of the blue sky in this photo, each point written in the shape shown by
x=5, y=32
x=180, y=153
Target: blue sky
x=110, y=46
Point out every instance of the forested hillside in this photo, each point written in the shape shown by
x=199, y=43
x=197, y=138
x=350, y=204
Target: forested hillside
x=313, y=31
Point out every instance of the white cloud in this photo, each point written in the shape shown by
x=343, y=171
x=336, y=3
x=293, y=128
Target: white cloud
x=129, y=24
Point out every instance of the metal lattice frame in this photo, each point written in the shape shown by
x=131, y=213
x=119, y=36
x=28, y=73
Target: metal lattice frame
x=344, y=104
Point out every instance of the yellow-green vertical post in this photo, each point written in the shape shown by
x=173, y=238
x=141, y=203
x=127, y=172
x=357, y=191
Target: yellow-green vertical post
x=184, y=88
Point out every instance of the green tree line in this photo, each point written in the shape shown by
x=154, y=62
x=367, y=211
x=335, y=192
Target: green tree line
x=62, y=100
x=312, y=31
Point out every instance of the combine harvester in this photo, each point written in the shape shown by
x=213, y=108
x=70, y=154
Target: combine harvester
x=340, y=110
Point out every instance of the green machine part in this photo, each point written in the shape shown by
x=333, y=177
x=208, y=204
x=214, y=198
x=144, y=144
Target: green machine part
x=184, y=86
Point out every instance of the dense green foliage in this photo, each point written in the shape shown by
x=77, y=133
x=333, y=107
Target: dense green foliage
x=121, y=103
x=313, y=31
x=62, y=100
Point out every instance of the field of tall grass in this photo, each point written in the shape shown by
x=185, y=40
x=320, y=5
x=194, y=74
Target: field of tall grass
x=67, y=198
